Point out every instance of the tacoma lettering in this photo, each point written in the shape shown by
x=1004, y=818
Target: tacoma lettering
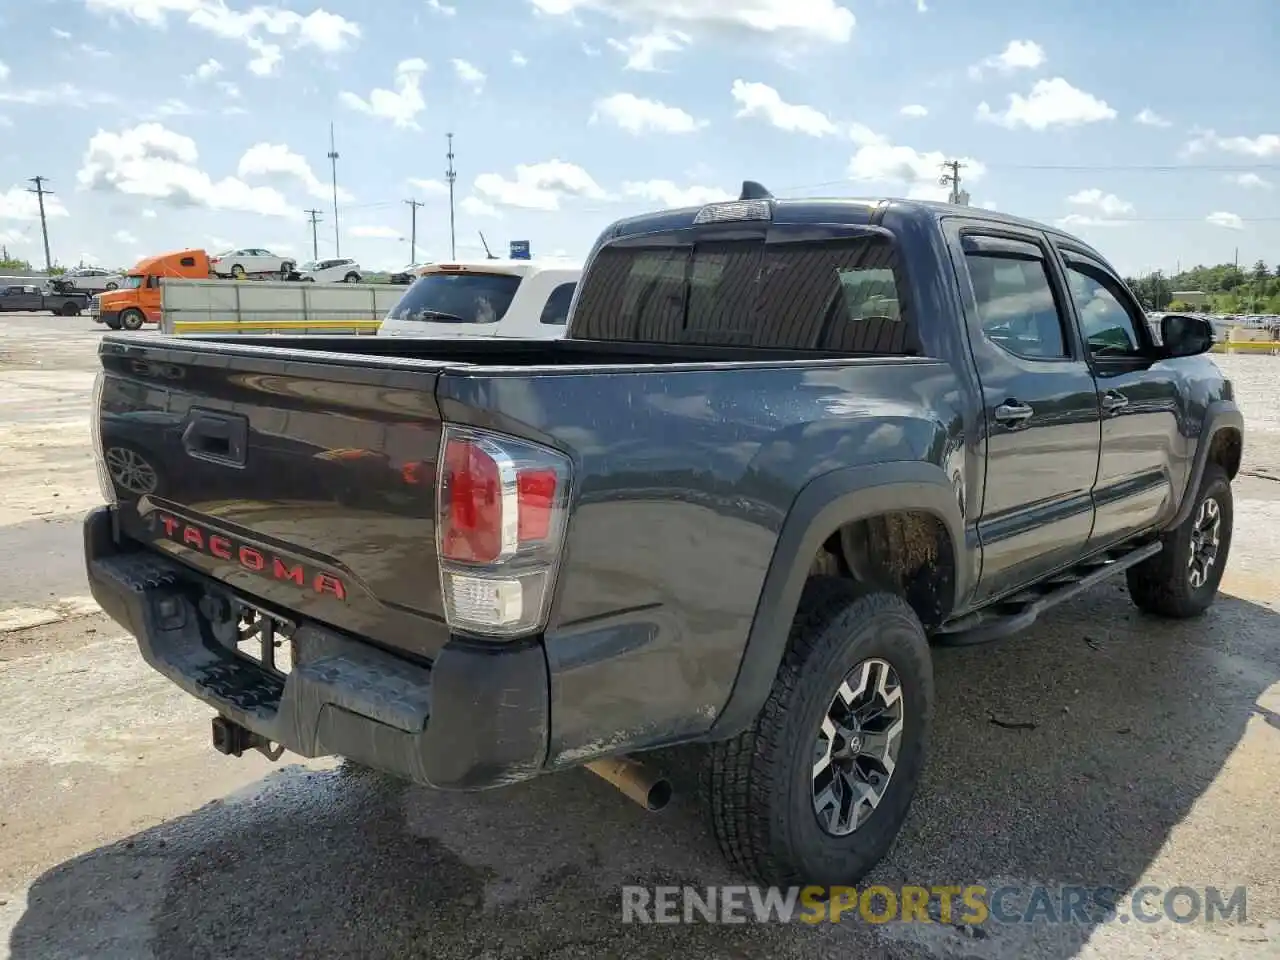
x=250, y=558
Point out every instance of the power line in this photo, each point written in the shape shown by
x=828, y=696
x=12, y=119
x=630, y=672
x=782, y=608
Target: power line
x=451, y=176
x=315, y=242
x=333, y=163
x=40, y=193
x=413, y=228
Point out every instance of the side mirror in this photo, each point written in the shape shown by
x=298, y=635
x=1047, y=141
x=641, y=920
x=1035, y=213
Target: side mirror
x=1185, y=334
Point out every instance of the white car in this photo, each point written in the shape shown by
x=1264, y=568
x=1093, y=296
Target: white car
x=91, y=279
x=251, y=261
x=486, y=298
x=330, y=271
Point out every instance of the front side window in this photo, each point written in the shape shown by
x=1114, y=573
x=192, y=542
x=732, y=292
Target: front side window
x=457, y=298
x=1016, y=306
x=132, y=282
x=1109, y=328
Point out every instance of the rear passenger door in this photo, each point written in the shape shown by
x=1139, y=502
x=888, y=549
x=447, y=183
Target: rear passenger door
x=1141, y=459
x=1042, y=421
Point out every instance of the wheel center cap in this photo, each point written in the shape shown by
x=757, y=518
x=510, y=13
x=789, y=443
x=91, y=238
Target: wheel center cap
x=854, y=744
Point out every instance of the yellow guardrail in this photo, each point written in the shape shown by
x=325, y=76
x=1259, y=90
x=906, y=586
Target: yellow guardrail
x=272, y=326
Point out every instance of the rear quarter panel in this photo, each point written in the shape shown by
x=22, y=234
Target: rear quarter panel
x=682, y=483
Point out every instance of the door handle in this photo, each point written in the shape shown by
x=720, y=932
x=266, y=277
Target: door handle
x=1012, y=411
x=1112, y=401
x=219, y=437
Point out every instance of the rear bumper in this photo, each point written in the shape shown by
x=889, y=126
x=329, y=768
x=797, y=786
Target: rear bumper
x=476, y=718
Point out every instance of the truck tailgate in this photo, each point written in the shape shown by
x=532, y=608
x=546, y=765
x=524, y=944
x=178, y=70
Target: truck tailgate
x=306, y=482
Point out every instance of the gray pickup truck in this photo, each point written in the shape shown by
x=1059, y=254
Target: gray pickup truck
x=30, y=298
x=785, y=446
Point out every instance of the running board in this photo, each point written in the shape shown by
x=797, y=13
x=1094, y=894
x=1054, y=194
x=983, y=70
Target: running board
x=1015, y=613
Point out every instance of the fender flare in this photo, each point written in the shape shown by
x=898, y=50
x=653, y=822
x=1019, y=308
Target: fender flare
x=819, y=510
x=1219, y=415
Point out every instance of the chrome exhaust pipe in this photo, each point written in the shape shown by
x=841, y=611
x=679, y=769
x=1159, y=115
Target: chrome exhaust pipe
x=635, y=780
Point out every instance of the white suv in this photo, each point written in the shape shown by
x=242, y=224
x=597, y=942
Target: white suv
x=486, y=298
x=330, y=271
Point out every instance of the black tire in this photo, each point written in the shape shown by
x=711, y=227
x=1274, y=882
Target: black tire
x=237, y=271
x=352, y=277
x=759, y=786
x=132, y=319
x=70, y=310
x=286, y=271
x=1162, y=585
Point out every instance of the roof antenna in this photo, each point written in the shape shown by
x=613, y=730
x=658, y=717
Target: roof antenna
x=487, y=252
x=751, y=190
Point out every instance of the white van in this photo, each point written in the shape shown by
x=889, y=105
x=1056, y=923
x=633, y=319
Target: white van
x=486, y=298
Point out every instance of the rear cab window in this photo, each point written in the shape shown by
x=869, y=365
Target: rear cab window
x=839, y=295
x=461, y=297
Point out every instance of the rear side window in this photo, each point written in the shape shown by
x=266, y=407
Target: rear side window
x=457, y=298
x=843, y=296
x=1016, y=305
x=556, y=310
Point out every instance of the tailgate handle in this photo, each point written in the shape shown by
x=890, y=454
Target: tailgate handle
x=217, y=437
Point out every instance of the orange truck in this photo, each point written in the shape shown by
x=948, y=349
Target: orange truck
x=137, y=301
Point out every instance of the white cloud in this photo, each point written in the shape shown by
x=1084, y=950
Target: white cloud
x=761, y=100
x=538, y=186
x=17, y=203
x=230, y=89
x=914, y=110
x=643, y=50
x=1262, y=146
x=1051, y=103
x=207, y=70
x=824, y=21
x=883, y=162
x=89, y=50
x=276, y=160
x=124, y=236
x=518, y=59
x=430, y=188
x=1221, y=218
x=319, y=29
x=150, y=160
x=1018, y=55
x=61, y=34
x=1149, y=118
x=1107, y=204
x=62, y=94
x=4, y=70
x=668, y=195
x=1250, y=181
x=638, y=115
x=173, y=107
x=476, y=207
x=376, y=232
x=1076, y=221
x=148, y=214
x=400, y=105
x=469, y=74
x=442, y=8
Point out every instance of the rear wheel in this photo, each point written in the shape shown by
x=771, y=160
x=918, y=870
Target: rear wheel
x=286, y=270
x=352, y=277
x=70, y=310
x=1181, y=581
x=132, y=319
x=237, y=271
x=816, y=790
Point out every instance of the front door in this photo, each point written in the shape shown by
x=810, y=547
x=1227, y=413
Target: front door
x=1042, y=419
x=1141, y=445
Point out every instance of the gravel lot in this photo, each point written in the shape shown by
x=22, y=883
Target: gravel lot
x=1138, y=754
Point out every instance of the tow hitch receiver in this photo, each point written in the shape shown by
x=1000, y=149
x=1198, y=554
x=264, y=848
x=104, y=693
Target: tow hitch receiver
x=233, y=740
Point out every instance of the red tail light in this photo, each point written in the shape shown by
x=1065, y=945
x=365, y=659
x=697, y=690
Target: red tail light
x=502, y=506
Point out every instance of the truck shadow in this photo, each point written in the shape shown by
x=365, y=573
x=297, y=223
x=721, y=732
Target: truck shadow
x=1066, y=756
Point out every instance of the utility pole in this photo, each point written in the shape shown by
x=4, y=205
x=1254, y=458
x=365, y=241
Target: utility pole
x=315, y=242
x=451, y=176
x=413, y=228
x=40, y=193
x=951, y=175
x=333, y=164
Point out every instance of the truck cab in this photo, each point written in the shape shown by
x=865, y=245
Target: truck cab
x=137, y=301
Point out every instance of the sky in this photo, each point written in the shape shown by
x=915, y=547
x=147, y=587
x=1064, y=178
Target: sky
x=1150, y=130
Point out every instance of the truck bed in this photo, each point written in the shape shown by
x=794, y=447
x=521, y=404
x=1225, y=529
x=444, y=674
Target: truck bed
x=301, y=471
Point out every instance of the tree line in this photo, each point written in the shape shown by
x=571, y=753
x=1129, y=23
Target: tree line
x=1227, y=287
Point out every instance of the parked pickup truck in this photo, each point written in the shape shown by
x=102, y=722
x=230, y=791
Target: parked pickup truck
x=785, y=446
x=31, y=298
